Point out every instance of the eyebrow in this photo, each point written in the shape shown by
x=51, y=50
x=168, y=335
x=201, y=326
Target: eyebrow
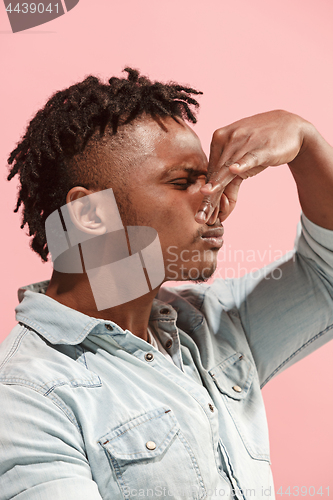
x=190, y=170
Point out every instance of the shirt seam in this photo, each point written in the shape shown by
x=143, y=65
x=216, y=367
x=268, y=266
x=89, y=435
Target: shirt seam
x=55, y=399
x=15, y=346
x=38, y=329
x=136, y=425
x=202, y=298
x=320, y=334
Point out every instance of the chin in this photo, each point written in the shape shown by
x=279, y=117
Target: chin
x=204, y=275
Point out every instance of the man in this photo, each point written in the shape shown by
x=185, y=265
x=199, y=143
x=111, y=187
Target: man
x=156, y=397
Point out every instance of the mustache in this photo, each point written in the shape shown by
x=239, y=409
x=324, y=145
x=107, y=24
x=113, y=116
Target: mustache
x=202, y=230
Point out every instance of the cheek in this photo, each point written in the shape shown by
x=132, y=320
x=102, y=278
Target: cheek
x=169, y=211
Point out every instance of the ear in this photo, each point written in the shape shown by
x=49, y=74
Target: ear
x=85, y=211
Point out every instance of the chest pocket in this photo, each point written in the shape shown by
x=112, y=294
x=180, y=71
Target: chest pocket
x=151, y=457
x=236, y=379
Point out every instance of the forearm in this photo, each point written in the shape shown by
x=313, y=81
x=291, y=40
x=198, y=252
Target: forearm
x=312, y=170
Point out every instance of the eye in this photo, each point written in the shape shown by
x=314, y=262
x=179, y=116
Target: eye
x=182, y=183
x=185, y=182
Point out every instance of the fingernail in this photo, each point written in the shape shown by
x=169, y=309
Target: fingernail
x=209, y=186
x=201, y=216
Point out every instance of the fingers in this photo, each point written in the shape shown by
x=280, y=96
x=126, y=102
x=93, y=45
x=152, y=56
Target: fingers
x=207, y=207
x=222, y=210
x=219, y=176
x=227, y=148
x=231, y=194
x=212, y=192
x=249, y=165
x=239, y=167
x=233, y=153
x=227, y=202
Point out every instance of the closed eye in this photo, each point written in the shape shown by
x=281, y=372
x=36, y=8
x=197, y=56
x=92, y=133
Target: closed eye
x=181, y=182
x=185, y=182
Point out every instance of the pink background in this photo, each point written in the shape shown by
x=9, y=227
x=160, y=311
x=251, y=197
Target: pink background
x=247, y=56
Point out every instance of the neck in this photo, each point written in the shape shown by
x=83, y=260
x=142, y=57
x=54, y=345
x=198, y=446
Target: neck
x=74, y=291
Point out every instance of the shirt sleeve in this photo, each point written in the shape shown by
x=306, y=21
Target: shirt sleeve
x=286, y=309
x=41, y=451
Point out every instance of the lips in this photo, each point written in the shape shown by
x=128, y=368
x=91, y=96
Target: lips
x=214, y=237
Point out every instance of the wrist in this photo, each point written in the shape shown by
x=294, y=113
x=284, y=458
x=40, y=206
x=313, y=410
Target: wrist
x=309, y=137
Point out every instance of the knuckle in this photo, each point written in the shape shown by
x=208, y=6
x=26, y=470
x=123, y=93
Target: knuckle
x=253, y=156
x=217, y=184
x=218, y=134
x=241, y=134
x=212, y=201
x=235, y=134
x=207, y=202
x=230, y=162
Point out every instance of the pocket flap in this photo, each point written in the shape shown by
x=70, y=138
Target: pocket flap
x=234, y=376
x=143, y=437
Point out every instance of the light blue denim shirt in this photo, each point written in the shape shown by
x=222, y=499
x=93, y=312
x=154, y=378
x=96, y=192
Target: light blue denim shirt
x=89, y=411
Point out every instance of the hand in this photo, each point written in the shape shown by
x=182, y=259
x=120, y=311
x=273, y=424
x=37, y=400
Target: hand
x=244, y=149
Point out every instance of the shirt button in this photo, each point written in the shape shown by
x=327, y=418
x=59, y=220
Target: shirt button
x=236, y=388
x=168, y=344
x=149, y=357
x=164, y=311
x=211, y=407
x=109, y=327
x=150, y=445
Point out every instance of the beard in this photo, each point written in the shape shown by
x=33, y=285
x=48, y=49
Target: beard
x=202, y=276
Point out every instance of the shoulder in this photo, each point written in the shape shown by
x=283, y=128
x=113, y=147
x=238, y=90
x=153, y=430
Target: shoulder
x=27, y=359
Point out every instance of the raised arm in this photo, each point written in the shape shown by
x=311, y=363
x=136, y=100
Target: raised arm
x=286, y=309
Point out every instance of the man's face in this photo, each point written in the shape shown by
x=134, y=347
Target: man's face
x=160, y=188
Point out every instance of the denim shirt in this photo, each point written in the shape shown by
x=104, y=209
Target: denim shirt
x=90, y=411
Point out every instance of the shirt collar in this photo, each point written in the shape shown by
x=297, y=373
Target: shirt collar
x=60, y=324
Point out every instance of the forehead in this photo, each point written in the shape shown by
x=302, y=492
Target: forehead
x=168, y=143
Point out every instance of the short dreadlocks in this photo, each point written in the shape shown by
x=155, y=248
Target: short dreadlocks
x=63, y=128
